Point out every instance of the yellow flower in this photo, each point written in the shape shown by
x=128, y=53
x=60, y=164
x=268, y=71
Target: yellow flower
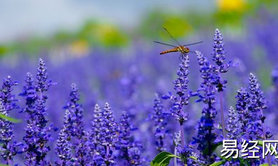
x=231, y=5
x=79, y=47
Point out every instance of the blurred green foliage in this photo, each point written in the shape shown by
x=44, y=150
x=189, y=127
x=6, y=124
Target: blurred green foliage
x=92, y=34
x=102, y=35
x=229, y=15
x=3, y=165
x=177, y=25
x=3, y=50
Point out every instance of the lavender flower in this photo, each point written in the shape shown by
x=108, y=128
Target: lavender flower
x=37, y=130
x=103, y=136
x=64, y=148
x=250, y=106
x=82, y=149
x=96, y=124
x=186, y=153
x=9, y=148
x=218, y=54
x=29, y=92
x=73, y=137
x=233, y=128
x=181, y=89
x=110, y=124
x=219, y=59
x=129, y=85
x=242, y=109
x=181, y=98
x=256, y=107
x=232, y=125
x=96, y=135
x=74, y=114
x=220, y=68
x=206, y=136
x=159, y=118
x=6, y=95
x=130, y=150
x=42, y=81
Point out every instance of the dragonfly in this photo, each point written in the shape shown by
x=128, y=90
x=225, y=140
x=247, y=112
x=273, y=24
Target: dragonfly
x=183, y=49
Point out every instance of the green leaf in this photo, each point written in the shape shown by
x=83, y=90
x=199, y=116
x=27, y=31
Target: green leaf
x=243, y=162
x=163, y=159
x=192, y=157
x=260, y=142
x=218, y=163
x=265, y=164
x=9, y=119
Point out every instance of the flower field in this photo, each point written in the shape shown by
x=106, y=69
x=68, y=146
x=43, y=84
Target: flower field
x=214, y=105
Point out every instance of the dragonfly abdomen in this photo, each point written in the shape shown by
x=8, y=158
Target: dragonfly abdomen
x=168, y=51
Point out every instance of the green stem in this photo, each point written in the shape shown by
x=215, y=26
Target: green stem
x=175, y=159
x=182, y=135
x=222, y=114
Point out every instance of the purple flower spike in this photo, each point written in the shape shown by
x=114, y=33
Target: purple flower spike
x=103, y=136
x=181, y=83
x=242, y=109
x=181, y=98
x=6, y=95
x=186, y=154
x=42, y=82
x=37, y=130
x=206, y=135
x=159, y=118
x=256, y=107
x=72, y=146
x=232, y=125
x=129, y=149
x=8, y=147
x=64, y=148
x=110, y=124
x=74, y=114
x=218, y=54
x=30, y=94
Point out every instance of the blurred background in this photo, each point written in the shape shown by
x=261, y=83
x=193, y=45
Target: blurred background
x=78, y=27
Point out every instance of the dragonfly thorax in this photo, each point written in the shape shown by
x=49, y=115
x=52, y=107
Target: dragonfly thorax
x=183, y=49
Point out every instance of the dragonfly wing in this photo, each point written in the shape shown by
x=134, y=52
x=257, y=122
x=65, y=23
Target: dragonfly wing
x=172, y=36
x=193, y=43
x=166, y=44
